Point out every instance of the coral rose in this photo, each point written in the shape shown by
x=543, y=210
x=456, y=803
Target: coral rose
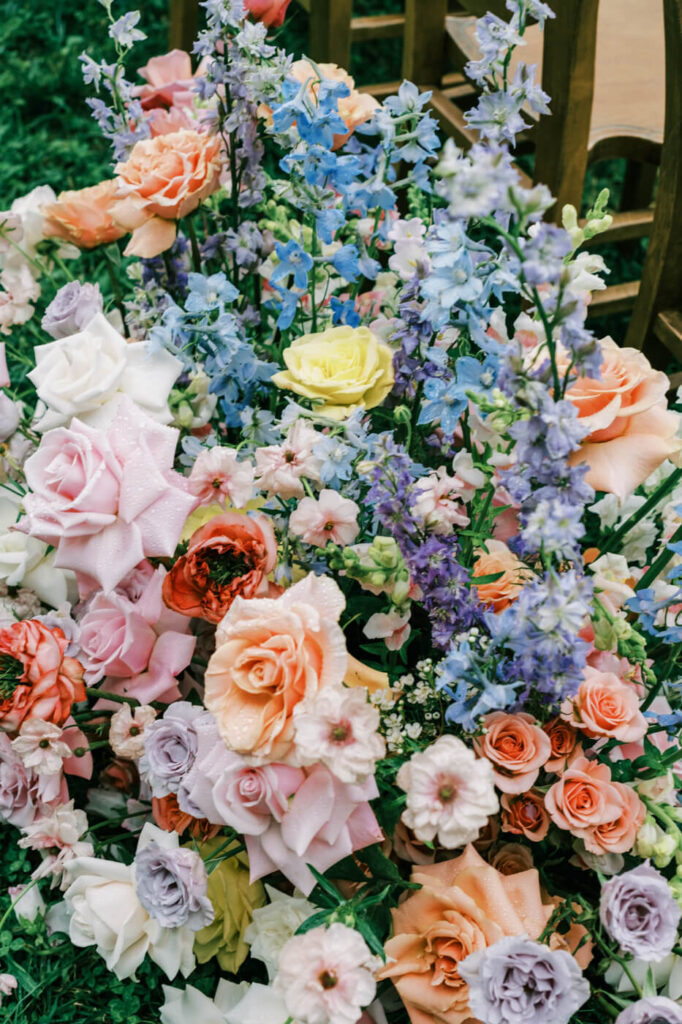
x=511, y=858
x=226, y=558
x=525, y=815
x=270, y=655
x=270, y=12
x=167, y=815
x=604, y=814
x=340, y=369
x=500, y=593
x=605, y=706
x=566, y=746
x=516, y=747
x=163, y=179
x=84, y=216
x=631, y=430
x=465, y=905
x=36, y=679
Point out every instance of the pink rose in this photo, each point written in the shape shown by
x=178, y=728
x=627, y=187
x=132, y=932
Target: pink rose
x=169, y=81
x=114, y=640
x=106, y=499
x=605, y=706
x=516, y=747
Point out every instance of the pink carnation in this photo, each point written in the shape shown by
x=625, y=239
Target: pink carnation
x=106, y=499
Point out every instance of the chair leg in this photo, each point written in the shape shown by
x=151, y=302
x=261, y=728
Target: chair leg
x=661, y=287
x=424, y=48
x=184, y=21
x=330, y=31
x=638, y=185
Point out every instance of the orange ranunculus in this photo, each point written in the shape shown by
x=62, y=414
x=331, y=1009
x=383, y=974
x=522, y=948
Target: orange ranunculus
x=84, y=216
x=163, y=179
x=498, y=558
x=270, y=655
x=354, y=109
x=566, y=745
x=270, y=12
x=605, y=706
x=168, y=816
x=227, y=557
x=631, y=430
x=604, y=814
x=516, y=747
x=36, y=679
x=465, y=905
x=524, y=814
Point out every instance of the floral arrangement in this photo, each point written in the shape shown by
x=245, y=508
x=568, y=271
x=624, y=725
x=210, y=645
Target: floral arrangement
x=339, y=563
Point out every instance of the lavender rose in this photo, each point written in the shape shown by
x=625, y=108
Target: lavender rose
x=170, y=747
x=519, y=981
x=72, y=309
x=171, y=885
x=654, y=1010
x=639, y=912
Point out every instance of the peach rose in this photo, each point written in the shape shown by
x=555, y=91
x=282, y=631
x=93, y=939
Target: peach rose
x=605, y=706
x=163, y=179
x=465, y=905
x=499, y=559
x=227, y=557
x=354, y=109
x=631, y=430
x=270, y=655
x=525, y=815
x=36, y=679
x=168, y=80
x=618, y=835
x=604, y=814
x=565, y=742
x=84, y=216
x=516, y=747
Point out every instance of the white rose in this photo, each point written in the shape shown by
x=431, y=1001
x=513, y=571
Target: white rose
x=274, y=924
x=104, y=911
x=24, y=560
x=79, y=374
x=189, y=1004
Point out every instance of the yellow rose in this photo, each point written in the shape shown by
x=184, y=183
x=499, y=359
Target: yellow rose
x=342, y=369
x=234, y=899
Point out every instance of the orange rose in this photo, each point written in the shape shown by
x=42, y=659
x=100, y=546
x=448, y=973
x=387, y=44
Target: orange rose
x=525, y=815
x=270, y=12
x=516, y=747
x=36, y=680
x=270, y=655
x=631, y=429
x=168, y=816
x=499, y=559
x=84, y=216
x=465, y=905
x=354, y=109
x=228, y=556
x=618, y=835
x=163, y=179
x=565, y=743
x=605, y=706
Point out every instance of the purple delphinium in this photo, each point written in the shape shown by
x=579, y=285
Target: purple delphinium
x=519, y=981
x=652, y=1010
x=171, y=885
x=72, y=309
x=639, y=912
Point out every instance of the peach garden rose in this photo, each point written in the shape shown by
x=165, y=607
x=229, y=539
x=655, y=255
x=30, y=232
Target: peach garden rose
x=84, y=216
x=516, y=747
x=270, y=655
x=163, y=179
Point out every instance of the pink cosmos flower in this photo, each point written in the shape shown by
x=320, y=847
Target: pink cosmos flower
x=219, y=476
x=107, y=498
x=279, y=468
x=329, y=517
x=392, y=627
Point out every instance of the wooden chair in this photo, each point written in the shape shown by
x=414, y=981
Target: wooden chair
x=184, y=22
x=656, y=323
